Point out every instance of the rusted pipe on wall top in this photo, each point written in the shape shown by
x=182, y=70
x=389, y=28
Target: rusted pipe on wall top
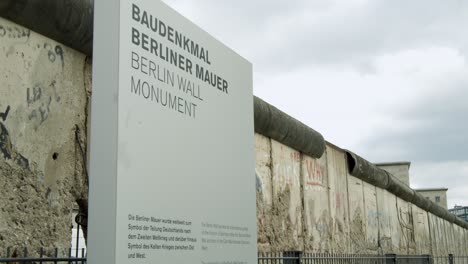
x=67, y=21
x=366, y=171
x=370, y=173
x=273, y=123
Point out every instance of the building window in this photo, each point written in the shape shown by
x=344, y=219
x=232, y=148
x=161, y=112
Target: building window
x=437, y=199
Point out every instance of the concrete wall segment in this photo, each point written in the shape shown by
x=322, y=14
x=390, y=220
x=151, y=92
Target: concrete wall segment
x=287, y=200
x=317, y=221
x=264, y=192
x=433, y=233
x=357, y=219
x=389, y=235
x=465, y=242
x=371, y=213
x=442, y=237
x=422, y=235
x=337, y=184
x=45, y=89
x=406, y=228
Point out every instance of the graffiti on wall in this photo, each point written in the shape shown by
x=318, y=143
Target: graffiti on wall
x=314, y=175
x=6, y=147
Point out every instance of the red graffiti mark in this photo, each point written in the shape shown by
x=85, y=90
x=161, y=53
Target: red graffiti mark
x=338, y=200
x=314, y=173
x=295, y=156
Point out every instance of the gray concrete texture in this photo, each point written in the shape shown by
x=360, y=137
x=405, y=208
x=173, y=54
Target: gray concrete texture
x=286, y=217
x=371, y=218
x=312, y=202
x=422, y=237
x=43, y=108
x=317, y=220
x=389, y=235
x=338, y=195
x=358, y=228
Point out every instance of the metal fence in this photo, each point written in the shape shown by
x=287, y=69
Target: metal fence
x=76, y=254
x=291, y=257
x=16, y=256
x=297, y=257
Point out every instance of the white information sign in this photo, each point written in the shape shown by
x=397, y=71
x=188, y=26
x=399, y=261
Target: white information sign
x=172, y=141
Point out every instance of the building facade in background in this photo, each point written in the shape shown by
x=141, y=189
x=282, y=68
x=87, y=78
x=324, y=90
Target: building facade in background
x=398, y=169
x=460, y=211
x=437, y=195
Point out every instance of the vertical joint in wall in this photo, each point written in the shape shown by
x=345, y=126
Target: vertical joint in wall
x=270, y=165
x=302, y=209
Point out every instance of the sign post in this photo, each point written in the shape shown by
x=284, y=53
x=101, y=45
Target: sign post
x=172, y=141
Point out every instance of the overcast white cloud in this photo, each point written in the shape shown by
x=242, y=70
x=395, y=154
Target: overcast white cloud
x=387, y=79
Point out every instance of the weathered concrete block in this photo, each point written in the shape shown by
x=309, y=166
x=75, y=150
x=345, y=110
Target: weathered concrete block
x=287, y=198
x=389, y=235
x=316, y=204
x=457, y=240
x=356, y=215
x=465, y=243
x=449, y=234
x=264, y=192
x=441, y=238
x=372, y=218
x=263, y=168
x=422, y=236
x=406, y=228
x=337, y=184
x=433, y=233
x=43, y=109
x=421, y=231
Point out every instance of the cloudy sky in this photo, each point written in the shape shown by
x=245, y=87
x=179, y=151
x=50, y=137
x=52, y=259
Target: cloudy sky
x=386, y=79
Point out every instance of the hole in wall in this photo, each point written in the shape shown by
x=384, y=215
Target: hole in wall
x=55, y=156
x=351, y=162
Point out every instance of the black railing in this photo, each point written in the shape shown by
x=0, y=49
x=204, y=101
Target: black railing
x=76, y=254
x=297, y=257
x=17, y=256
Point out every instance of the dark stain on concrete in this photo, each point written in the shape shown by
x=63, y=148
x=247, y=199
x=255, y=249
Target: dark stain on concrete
x=6, y=147
x=4, y=115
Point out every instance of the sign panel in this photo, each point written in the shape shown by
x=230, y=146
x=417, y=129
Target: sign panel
x=172, y=163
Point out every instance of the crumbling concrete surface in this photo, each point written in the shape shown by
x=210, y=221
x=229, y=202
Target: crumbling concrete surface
x=264, y=192
x=286, y=214
x=45, y=88
x=339, y=207
x=317, y=221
